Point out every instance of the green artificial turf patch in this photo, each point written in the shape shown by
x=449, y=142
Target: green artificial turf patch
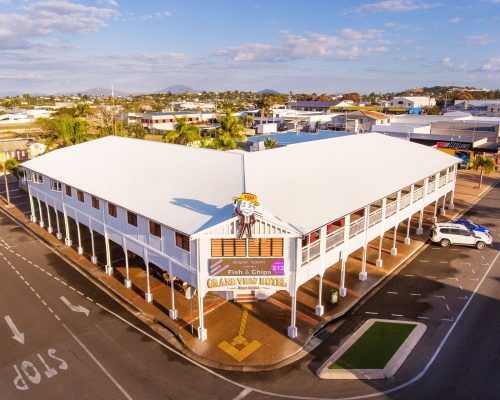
x=375, y=347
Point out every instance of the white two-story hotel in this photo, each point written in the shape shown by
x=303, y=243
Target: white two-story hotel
x=299, y=209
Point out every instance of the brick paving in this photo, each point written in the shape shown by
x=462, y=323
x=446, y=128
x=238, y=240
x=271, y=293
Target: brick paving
x=245, y=336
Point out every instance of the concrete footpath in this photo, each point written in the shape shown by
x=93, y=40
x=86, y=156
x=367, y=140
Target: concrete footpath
x=249, y=336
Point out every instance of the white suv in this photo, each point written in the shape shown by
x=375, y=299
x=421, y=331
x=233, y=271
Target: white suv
x=449, y=233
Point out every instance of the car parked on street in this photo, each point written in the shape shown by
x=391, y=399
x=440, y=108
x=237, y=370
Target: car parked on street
x=448, y=233
x=471, y=225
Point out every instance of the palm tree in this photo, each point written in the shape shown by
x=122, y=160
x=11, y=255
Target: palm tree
x=230, y=131
x=9, y=165
x=264, y=104
x=486, y=165
x=247, y=120
x=183, y=133
x=63, y=131
x=270, y=143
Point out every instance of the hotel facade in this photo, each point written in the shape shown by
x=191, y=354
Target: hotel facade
x=234, y=223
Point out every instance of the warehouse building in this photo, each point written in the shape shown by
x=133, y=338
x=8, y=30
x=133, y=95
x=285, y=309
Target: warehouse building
x=236, y=223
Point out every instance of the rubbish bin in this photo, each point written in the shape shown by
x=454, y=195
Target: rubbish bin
x=334, y=296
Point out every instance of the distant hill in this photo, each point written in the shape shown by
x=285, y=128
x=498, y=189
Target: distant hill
x=97, y=91
x=176, y=89
x=268, y=91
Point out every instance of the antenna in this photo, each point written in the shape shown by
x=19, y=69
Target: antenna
x=113, y=105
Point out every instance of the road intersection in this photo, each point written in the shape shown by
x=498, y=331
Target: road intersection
x=81, y=343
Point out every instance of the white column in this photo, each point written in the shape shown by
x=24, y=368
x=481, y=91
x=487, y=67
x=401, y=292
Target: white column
x=172, y=313
x=79, y=249
x=379, y=261
x=320, y=309
x=49, y=224
x=33, y=215
x=41, y=223
x=394, y=250
x=363, y=275
x=420, y=229
x=58, y=233
x=407, y=238
x=344, y=254
x=148, y=296
x=451, y=206
x=434, y=215
x=202, y=331
x=292, y=329
x=67, y=240
x=442, y=210
x=109, y=266
x=127, y=282
x=93, y=258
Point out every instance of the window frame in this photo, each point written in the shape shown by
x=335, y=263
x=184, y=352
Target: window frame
x=95, y=202
x=113, y=214
x=80, y=196
x=155, y=229
x=184, y=239
x=68, y=191
x=132, y=217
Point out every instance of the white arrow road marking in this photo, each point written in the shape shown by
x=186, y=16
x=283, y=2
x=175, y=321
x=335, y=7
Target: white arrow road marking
x=75, y=308
x=17, y=335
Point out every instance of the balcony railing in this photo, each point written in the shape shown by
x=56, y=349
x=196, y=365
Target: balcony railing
x=334, y=239
x=391, y=208
x=431, y=187
x=450, y=177
x=405, y=201
x=356, y=227
x=418, y=194
x=442, y=181
x=375, y=217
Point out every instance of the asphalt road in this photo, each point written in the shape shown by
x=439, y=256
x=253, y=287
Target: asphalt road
x=67, y=354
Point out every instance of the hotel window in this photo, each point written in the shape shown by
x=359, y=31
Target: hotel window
x=155, y=229
x=28, y=175
x=182, y=241
x=56, y=186
x=95, y=202
x=132, y=218
x=68, y=191
x=272, y=247
x=229, y=247
x=112, y=210
x=37, y=178
x=80, y=196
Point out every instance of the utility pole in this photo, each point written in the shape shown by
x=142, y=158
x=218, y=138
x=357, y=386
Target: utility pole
x=113, y=105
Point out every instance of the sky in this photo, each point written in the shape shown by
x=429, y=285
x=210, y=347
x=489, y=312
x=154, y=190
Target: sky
x=327, y=46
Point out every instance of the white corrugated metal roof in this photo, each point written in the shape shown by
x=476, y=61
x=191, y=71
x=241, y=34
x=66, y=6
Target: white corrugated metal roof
x=182, y=187
x=311, y=184
x=189, y=189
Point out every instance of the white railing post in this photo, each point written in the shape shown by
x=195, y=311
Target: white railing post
x=344, y=254
x=407, y=238
x=420, y=229
x=394, y=249
x=379, y=261
x=453, y=180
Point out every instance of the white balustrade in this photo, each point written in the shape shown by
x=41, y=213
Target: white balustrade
x=418, y=194
x=391, y=209
x=431, y=187
x=375, y=217
x=357, y=227
x=405, y=201
x=334, y=239
x=442, y=181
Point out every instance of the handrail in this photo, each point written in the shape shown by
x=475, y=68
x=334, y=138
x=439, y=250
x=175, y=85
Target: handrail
x=356, y=227
x=375, y=217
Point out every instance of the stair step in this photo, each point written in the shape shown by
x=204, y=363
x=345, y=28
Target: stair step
x=245, y=298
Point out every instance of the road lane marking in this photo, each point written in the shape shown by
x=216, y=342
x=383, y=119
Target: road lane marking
x=423, y=317
x=392, y=293
x=473, y=271
x=415, y=294
x=456, y=279
x=444, y=262
x=466, y=263
x=370, y=312
x=439, y=296
x=463, y=297
x=447, y=319
x=423, y=261
x=74, y=308
x=410, y=276
x=447, y=307
x=244, y=393
x=431, y=277
x=110, y=377
x=397, y=315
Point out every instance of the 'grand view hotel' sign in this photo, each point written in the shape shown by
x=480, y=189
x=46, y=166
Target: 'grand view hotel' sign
x=246, y=273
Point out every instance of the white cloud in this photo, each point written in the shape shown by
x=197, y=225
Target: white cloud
x=347, y=44
x=112, y=3
x=42, y=18
x=481, y=40
x=493, y=64
x=449, y=64
x=455, y=20
x=394, y=6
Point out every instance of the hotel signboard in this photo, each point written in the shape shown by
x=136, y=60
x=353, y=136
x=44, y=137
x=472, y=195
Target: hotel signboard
x=246, y=273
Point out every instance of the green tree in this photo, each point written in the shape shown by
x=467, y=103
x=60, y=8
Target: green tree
x=264, y=104
x=230, y=131
x=354, y=96
x=7, y=166
x=82, y=110
x=247, y=120
x=270, y=143
x=63, y=131
x=136, y=130
x=484, y=164
x=183, y=133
